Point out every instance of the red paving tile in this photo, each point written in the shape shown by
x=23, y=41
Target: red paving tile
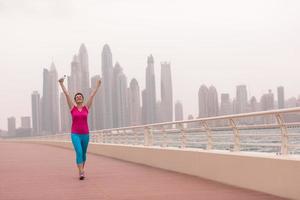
x=34, y=171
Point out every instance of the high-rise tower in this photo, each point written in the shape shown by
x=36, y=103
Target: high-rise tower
x=135, y=111
x=150, y=92
x=280, y=97
x=107, y=84
x=166, y=93
x=213, y=103
x=241, y=99
x=36, y=113
x=203, y=101
x=50, y=108
x=84, y=70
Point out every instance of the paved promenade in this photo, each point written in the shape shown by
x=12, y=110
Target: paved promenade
x=33, y=171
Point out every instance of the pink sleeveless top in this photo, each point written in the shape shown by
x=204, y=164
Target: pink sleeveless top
x=80, y=120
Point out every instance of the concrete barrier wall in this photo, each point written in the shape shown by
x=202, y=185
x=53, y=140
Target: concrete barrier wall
x=277, y=175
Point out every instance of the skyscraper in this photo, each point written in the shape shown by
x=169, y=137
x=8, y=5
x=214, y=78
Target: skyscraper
x=203, y=101
x=178, y=111
x=150, y=92
x=107, y=84
x=122, y=100
x=116, y=109
x=11, y=125
x=25, y=122
x=96, y=119
x=74, y=81
x=166, y=93
x=46, y=101
x=267, y=101
x=213, y=102
x=226, y=106
x=253, y=105
x=65, y=115
x=144, y=107
x=79, y=78
x=36, y=113
x=280, y=97
x=241, y=99
x=50, y=109
x=135, y=112
x=84, y=70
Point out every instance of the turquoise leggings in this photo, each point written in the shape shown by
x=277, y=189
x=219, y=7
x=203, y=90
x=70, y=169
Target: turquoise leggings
x=80, y=143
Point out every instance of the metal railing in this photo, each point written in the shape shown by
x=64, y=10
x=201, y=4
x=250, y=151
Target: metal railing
x=265, y=131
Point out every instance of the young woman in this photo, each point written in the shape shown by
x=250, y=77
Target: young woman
x=80, y=129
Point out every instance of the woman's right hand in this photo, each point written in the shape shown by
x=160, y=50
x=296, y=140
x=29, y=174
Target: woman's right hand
x=61, y=80
x=98, y=83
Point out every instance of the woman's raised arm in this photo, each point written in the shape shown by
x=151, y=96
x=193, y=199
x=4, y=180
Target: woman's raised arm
x=91, y=97
x=69, y=99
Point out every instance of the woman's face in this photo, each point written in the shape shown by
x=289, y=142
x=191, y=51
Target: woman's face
x=78, y=98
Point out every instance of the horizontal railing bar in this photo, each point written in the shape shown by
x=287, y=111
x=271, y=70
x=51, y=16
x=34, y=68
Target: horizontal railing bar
x=260, y=135
x=223, y=143
x=234, y=116
x=294, y=145
x=259, y=126
x=293, y=124
x=294, y=134
x=190, y=142
x=261, y=144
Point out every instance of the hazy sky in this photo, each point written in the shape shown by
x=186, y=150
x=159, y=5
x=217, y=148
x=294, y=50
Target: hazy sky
x=216, y=42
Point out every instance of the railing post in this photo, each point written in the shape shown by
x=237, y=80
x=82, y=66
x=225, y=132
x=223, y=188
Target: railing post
x=106, y=137
x=146, y=136
x=118, y=140
x=208, y=134
x=164, y=144
x=123, y=137
x=237, y=145
x=135, y=142
x=93, y=137
x=112, y=137
x=109, y=137
x=126, y=140
x=284, y=135
x=136, y=137
x=183, y=136
x=103, y=137
x=150, y=136
x=96, y=137
x=100, y=137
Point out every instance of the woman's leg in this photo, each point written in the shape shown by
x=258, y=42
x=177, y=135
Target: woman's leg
x=84, y=144
x=78, y=149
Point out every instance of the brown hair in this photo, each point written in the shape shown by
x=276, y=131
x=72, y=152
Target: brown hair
x=78, y=93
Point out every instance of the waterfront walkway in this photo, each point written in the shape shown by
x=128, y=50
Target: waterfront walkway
x=34, y=171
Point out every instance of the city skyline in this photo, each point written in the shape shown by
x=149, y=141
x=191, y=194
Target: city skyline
x=126, y=96
x=213, y=43
x=117, y=98
x=208, y=97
